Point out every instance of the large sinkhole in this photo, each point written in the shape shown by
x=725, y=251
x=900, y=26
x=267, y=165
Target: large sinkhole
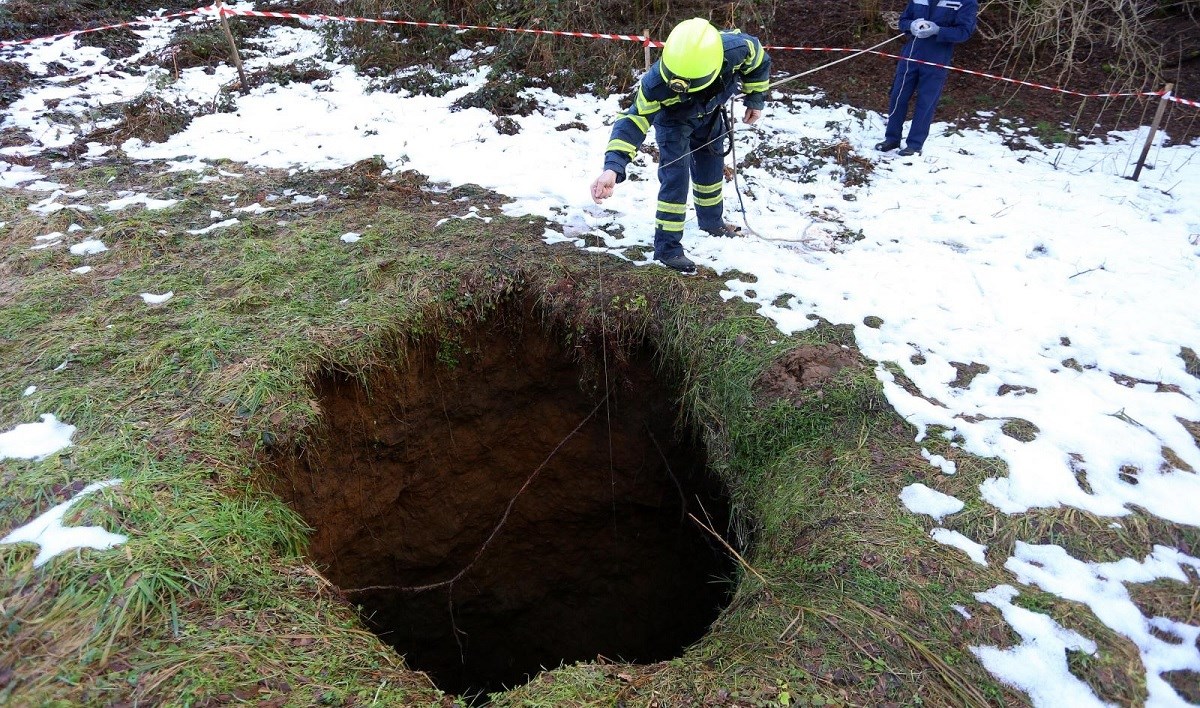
x=565, y=492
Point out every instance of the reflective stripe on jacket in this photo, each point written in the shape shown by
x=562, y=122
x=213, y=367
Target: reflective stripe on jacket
x=746, y=63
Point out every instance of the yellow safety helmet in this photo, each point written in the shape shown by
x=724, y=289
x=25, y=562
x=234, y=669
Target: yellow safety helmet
x=692, y=56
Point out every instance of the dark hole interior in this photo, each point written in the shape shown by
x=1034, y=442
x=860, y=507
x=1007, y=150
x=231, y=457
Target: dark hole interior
x=597, y=556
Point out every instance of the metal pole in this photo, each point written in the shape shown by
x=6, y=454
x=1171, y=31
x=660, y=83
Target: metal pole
x=733, y=159
x=233, y=50
x=1162, y=106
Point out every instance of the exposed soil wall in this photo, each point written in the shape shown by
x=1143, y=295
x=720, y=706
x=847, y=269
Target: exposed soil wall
x=596, y=557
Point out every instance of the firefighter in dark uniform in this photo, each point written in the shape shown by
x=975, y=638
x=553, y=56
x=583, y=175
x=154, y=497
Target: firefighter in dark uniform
x=935, y=27
x=682, y=95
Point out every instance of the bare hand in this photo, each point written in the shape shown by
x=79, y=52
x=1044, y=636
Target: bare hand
x=603, y=187
x=752, y=115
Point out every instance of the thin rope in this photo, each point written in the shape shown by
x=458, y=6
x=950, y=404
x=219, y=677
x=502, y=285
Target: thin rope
x=776, y=84
x=495, y=531
x=908, y=65
x=793, y=77
x=736, y=187
x=730, y=130
x=612, y=476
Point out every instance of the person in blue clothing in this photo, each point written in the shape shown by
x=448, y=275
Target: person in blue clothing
x=682, y=94
x=935, y=27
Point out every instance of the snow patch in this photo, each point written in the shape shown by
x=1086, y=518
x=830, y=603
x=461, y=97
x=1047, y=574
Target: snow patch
x=1038, y=665
x=48, y=531
x=946, y=466
x=975, y=551
x=29, y=441
x=152, y=299
x=89, y=247
x=920, y=499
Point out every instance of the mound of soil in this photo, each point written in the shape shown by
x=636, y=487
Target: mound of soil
x=798, y=375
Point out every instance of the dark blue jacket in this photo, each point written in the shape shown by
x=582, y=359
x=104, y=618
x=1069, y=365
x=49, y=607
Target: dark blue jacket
x=745, y=60
x=956, y=18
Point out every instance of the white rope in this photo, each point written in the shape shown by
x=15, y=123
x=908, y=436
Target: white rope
x=793, y=77
x=776, y=84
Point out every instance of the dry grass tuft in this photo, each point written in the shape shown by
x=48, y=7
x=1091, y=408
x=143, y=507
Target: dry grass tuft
x=147, y=118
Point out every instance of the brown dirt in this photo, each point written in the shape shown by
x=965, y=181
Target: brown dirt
x=148, y=118
x=966, y=373
x=1187, y=683
x=13, y=79
x=1191, y=362
x=798, y=375
x=597, y=557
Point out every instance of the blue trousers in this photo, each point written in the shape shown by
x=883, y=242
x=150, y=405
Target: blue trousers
x=926, y=83
x=706, y=169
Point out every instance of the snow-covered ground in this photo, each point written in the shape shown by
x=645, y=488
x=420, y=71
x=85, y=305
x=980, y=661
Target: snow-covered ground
x=1071, y=291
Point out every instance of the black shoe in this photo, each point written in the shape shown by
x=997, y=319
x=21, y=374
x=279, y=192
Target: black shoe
x=908, y=152
x=727, y=230
x=681, y=263
x=886, y=146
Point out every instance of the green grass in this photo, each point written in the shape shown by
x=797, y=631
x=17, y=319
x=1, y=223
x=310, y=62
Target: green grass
x=843, y=599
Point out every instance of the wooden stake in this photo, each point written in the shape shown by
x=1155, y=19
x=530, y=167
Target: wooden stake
x=646, y=46
x=1162, y=106
x=233, y=50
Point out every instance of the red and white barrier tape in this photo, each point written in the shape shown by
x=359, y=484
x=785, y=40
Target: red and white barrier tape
x=444, y=25
x=131, y=23
x=979, y=73
x=640, y=39
x=646, y=41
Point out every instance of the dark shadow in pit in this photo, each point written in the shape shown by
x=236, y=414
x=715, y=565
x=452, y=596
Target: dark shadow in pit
x=597, y=557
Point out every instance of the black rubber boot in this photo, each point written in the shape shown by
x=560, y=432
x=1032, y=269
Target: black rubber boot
x=908, y=152
x=727, y=230
x=886, y=146
x=681, y=263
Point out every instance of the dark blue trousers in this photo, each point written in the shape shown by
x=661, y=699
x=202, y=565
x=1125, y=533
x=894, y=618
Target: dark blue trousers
x=704, y=169
x=923, y=81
